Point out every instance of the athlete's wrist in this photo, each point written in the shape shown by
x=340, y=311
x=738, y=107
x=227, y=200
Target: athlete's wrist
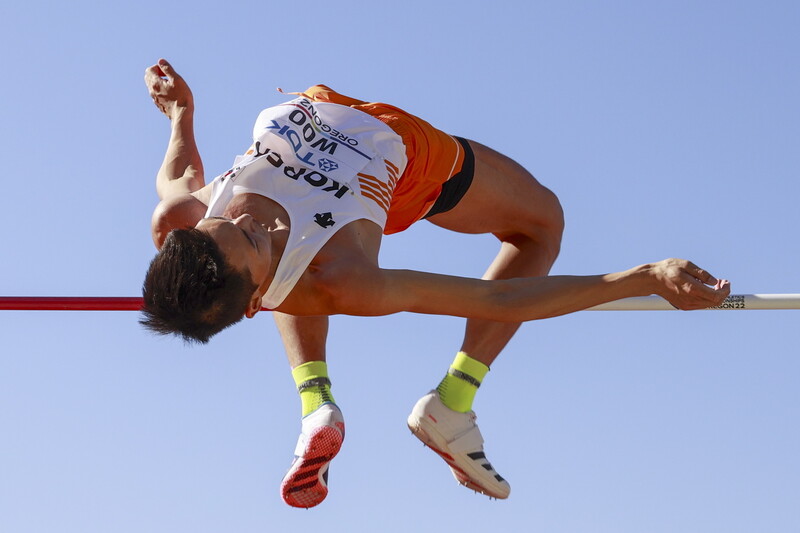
x=637, y=281
x=180, y=111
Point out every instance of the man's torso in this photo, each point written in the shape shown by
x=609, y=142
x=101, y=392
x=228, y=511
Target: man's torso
x=331, y=216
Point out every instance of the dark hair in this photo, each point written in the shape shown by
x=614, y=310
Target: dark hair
x=191, y=291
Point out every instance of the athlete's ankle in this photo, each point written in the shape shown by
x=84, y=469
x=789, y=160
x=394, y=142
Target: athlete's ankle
x=458, y=388
x=313, y=385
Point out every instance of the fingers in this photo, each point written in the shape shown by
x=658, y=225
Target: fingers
x=696, y=287
x=700, y=274
x=159, y=71
x=691, y=287
x=698, y=295
x=166, y=69
x=152, y=74
x=723, y=289
x=713, y=290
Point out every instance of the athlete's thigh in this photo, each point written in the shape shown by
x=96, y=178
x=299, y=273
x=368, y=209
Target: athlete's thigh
x=503, y=198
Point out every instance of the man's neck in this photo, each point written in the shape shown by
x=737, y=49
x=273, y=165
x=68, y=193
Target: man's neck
x=269, y=214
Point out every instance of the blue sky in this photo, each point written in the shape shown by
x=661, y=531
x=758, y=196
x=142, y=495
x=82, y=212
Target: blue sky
x=665, y=129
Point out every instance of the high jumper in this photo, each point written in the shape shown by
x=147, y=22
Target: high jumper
x=295, y=225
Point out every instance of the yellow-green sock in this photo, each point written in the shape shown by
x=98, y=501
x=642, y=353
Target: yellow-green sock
x=313, y=385
x=457, y=389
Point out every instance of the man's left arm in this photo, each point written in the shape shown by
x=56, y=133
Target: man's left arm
x=181, y=171
x=373, y=291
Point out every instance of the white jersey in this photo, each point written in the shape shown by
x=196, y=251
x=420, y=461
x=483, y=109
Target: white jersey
x=326, y=165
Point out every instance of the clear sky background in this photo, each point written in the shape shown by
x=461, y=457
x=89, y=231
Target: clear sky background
x=667, y=129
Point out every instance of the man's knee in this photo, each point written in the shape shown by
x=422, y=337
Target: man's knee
x=555, y=215
x=555, y=225
x=540, y=228
x=544, y=220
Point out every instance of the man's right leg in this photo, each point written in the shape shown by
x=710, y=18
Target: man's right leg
x=507, y=201
x=306, y=482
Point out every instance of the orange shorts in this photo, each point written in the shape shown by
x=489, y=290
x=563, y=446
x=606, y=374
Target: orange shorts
x=433, y=157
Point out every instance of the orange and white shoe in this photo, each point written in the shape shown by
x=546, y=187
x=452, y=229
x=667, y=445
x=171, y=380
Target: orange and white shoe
x=321, y=436
x=456, y=438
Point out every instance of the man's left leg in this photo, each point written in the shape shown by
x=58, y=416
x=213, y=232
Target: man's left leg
x=322, y=428
x=506, y=200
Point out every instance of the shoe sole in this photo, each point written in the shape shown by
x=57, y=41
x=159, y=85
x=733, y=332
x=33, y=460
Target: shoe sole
x=304, y=486
x=461, y=476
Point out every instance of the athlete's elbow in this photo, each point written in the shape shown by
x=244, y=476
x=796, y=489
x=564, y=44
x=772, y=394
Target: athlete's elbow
x=512, y=301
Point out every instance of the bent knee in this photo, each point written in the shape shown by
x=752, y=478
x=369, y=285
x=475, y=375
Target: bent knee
x=552, y=216
x=543, y=223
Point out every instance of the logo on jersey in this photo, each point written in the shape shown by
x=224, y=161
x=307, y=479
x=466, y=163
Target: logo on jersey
x=324, y=219
x=326, y=165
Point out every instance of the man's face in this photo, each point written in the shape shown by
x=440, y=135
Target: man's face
x=246, y=244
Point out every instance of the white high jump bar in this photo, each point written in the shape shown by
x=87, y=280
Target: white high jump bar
x=734, y=302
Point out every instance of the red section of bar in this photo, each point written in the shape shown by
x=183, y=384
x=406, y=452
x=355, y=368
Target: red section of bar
x=72, y=303
x=69, y=303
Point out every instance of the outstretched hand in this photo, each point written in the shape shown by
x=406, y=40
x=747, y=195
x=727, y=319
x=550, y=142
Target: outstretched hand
x=687, y=286
x=168, y=89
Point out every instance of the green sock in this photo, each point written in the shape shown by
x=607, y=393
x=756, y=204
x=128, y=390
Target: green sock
x=313, y=385
x=457, y=389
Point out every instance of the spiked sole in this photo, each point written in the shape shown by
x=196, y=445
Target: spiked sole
x=305, y=484
x=462, y=477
